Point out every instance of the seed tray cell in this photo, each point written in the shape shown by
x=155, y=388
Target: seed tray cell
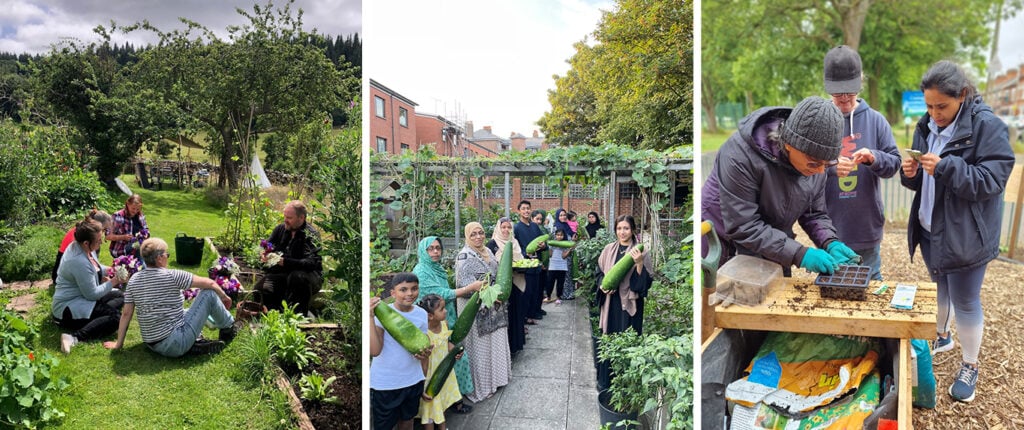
x=847, y=283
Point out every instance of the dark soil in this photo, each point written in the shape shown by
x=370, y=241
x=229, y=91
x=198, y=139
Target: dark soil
x=338, y=357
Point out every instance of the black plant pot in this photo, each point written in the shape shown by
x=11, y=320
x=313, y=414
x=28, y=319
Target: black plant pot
x=610, y=415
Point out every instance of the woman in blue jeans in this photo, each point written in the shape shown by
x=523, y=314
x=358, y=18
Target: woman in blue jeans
x=957, y=210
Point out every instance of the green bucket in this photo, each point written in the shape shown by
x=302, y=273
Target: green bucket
x=188, y=251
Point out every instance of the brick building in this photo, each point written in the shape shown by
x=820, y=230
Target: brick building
x=392, y=121
x=1006, y=93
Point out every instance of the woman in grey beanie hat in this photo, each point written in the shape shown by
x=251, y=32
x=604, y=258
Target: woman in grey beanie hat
x=768, y=176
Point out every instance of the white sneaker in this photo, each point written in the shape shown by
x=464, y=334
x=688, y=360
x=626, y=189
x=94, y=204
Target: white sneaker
x=66, y=342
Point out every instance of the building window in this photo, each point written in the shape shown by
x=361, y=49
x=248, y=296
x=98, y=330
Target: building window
x=378, y=106
x=405, y=148
x=403, y=117
x=382, y=145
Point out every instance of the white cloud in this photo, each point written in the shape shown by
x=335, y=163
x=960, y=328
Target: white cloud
x=32, y=26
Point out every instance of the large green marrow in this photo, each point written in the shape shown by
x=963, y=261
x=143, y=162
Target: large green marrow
x=465, y=320
x=531, y=248
x=403, y=330
x=504, y=279
x=618, y=272
x=443, y=370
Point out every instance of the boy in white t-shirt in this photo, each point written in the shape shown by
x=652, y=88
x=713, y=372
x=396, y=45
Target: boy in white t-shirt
x=396, y=376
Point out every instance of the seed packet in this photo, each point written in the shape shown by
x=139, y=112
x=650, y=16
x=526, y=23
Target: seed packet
x=903, y=296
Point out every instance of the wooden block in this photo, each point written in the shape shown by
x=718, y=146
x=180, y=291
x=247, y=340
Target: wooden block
x=904, y=388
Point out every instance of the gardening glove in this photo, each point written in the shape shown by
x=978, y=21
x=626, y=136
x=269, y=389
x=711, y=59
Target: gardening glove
x=842, y=253
x=817, y=260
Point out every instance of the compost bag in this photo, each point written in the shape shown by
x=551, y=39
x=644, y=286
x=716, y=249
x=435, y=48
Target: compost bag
x=795, y=373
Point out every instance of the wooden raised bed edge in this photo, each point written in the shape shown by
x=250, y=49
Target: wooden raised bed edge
x=293, y=400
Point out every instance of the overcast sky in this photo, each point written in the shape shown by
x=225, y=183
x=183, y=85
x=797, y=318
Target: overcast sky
x=486, y=61
x=32, y=26
x=1011, y=42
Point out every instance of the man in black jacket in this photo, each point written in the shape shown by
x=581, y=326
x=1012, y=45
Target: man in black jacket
x=297, y=275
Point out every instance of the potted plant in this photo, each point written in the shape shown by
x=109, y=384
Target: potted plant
x=650, y=374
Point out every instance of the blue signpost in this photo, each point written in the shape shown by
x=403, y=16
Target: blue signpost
x=913, y=106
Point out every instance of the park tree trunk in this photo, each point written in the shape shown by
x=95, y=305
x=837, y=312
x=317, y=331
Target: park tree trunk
x=851, y=20
x=228, y=166
x=708, y=104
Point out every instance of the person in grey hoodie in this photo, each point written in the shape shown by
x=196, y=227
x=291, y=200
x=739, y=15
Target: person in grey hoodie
x=868, y=153
x=956, y=214
x=768, y=176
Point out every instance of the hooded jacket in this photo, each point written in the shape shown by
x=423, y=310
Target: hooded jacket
x=855, y=202
x=753, y=195
x=969, y=183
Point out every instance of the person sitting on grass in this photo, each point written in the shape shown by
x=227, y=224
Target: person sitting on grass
x=166, y=327
x=85, y=301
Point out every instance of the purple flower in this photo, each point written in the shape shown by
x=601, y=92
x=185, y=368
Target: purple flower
x=266, y=245
x=190, y=293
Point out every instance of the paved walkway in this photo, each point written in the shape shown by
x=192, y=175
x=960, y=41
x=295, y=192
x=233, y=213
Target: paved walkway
x=553, y=379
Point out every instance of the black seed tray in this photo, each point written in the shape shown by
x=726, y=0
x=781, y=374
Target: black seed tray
x=847, y=283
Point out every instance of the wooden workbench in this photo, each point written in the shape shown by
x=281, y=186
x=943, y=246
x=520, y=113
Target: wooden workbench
x=797, y=306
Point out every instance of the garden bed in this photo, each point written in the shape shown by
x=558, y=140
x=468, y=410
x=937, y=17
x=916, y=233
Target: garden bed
x=330, y=347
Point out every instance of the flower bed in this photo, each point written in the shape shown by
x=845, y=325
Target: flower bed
x=345, y=413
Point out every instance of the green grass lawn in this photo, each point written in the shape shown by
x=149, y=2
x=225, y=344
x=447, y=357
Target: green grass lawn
x=136, y=388
x=172, y=211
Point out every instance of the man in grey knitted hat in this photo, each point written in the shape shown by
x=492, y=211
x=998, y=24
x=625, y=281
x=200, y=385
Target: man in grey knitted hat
x=768, y=176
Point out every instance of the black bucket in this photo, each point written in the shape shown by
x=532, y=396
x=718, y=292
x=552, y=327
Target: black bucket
x=188, y=251
x=610, y=416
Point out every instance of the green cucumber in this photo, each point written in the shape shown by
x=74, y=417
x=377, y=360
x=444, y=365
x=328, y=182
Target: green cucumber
x=465, y=320
x=504, y=279
x=443, y=370
x=618, y=272
x=403, y=330
x=562, y=243
x=531, y=248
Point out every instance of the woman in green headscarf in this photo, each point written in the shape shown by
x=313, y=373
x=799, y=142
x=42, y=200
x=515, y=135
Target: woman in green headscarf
x=434, y=280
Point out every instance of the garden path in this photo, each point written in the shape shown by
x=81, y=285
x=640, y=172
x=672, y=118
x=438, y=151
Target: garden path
x=553, y=379
x=24, y=302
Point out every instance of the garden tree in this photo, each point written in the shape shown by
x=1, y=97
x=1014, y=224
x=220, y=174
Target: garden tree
x=267, y=77
x=572, y=119
x=774, y=56
x=638, y=74
x=83, y=86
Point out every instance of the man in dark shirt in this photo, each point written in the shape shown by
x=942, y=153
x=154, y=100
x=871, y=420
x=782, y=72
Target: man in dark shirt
x=297, y=275
x=525, y=231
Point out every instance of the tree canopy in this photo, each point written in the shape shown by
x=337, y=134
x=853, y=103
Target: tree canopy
x=633, y=85
x=268, y=76
x=770, y=53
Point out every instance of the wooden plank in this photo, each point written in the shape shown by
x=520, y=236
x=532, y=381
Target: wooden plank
x=904, y=387
x=798, y=307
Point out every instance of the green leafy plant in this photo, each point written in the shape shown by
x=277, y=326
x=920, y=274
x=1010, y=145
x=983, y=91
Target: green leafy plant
x=250, y=217
x=32, y=258
x=289, y=343
x=27, y=384
x=314, y=388
x=651, y=372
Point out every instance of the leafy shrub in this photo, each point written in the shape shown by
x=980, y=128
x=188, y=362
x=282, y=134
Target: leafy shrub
x=217, y=197
x=33, y=257
x=26, y=382
x=72, y=193
x=649, y=372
